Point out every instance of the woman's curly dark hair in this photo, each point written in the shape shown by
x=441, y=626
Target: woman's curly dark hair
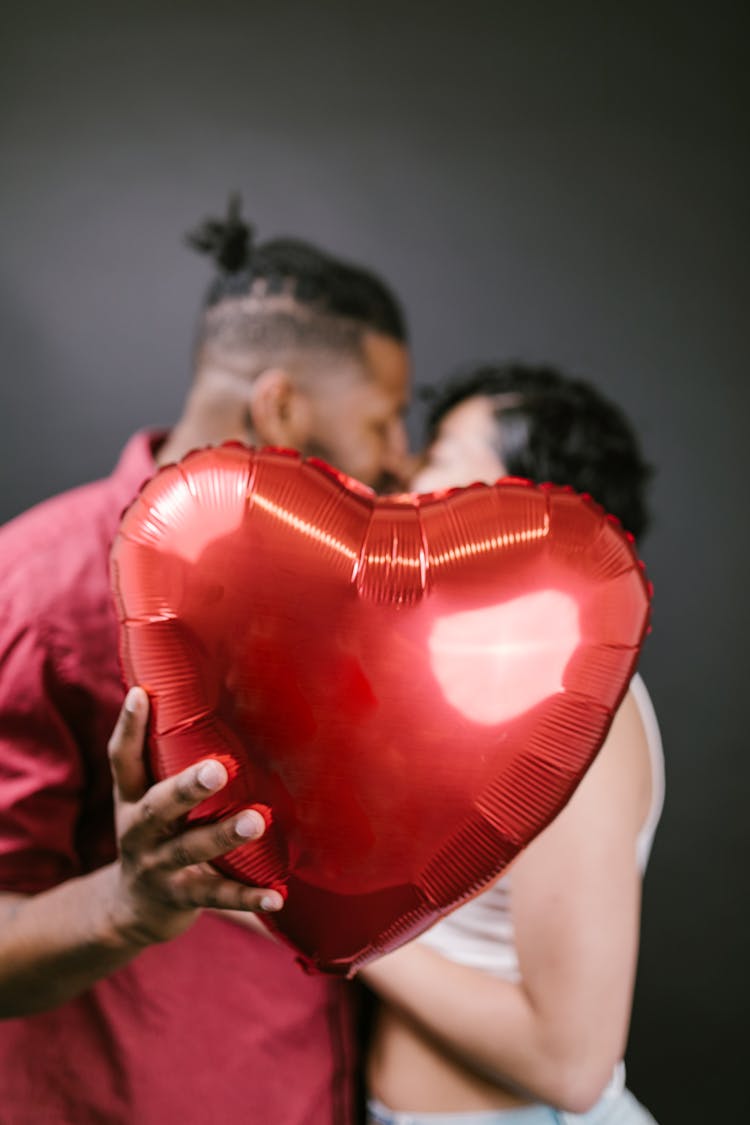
x=551, y=427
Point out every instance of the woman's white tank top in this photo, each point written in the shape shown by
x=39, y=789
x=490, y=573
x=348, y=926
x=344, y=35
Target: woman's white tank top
x=480, y=933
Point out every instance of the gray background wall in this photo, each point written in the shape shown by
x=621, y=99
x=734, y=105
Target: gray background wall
x=547, y=181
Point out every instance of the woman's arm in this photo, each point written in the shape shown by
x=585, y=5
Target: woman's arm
x=576, y=910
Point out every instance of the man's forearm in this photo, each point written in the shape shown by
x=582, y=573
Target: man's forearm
x=55, y=945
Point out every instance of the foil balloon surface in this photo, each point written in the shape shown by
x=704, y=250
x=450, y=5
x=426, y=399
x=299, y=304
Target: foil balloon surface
x=414, y=686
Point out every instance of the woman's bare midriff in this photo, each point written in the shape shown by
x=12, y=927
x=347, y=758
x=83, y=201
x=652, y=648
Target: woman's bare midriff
x=409, y=1073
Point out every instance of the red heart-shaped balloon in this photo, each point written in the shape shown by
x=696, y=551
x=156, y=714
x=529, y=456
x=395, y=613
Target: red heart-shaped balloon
x=414, y=686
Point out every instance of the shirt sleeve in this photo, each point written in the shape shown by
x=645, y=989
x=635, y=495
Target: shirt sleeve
x=41, y=773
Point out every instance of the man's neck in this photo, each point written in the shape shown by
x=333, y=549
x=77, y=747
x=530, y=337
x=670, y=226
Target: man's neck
x=215, y=412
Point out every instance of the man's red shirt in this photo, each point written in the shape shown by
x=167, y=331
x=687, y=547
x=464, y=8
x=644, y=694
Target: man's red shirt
x=218, y=1025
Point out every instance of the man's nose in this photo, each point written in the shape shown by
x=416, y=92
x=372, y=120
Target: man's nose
x=399, y=461
x=410, y=465
x=416, y=463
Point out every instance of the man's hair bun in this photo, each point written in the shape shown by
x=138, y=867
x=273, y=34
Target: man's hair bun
x=228, y=242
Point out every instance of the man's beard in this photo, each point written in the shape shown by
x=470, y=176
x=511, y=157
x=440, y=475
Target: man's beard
x=384, y=484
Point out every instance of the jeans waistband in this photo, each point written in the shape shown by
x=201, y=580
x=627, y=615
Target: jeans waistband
x=615, y=1108
x=378, y=1114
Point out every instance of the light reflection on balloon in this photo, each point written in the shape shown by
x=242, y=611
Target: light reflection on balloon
x=304, y=527
x=499, y=661
x=414, y=685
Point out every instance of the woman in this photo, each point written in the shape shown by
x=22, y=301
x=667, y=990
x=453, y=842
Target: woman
x=514, y=1010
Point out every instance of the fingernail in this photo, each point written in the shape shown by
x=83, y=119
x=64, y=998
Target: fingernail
x=211, y=775
x=131, y=700
x=248, y=825
x=271, y=902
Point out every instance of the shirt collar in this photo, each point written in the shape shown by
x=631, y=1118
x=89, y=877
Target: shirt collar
x=137, y=464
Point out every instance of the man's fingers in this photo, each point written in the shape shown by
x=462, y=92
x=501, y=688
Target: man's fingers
x=168, y=801
x=197, y=891
x=126, y=746
x=200, y=845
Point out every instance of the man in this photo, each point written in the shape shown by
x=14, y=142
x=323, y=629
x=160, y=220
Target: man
x=122, y=999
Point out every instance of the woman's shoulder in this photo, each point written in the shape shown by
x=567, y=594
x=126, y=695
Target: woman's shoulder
x=652, y=735
x=627, y=776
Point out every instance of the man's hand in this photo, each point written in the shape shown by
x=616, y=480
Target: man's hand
x=165, y=877
x=56, y=944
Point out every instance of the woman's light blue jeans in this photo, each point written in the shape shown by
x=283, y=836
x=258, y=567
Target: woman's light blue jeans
x=620, y=1109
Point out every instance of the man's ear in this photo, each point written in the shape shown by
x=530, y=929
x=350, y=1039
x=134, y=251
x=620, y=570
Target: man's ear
x=279, y=410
